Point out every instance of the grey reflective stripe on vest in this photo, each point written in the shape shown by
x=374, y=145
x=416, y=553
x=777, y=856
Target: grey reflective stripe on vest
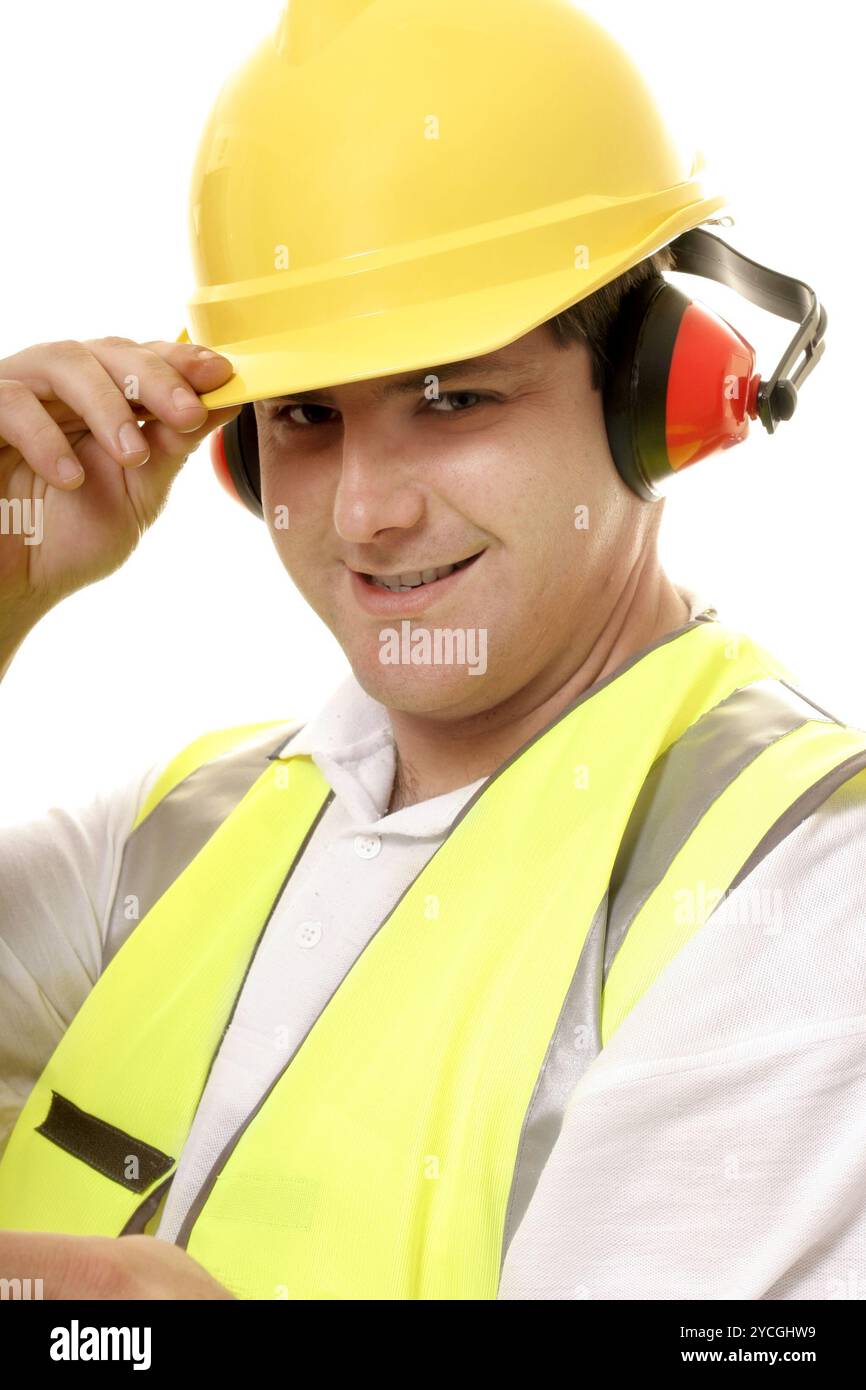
x=683, y=784
x=806, y=803
x=576, y=1041
x=679, y=789
x=179, y=826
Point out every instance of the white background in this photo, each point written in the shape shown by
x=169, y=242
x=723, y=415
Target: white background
x=101, y=106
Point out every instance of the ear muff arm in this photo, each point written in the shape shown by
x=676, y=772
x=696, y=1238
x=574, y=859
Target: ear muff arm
x=698, y=252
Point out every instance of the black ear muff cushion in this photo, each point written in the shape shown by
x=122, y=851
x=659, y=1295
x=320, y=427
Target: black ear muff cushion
x=640, y=350
x=241, y=442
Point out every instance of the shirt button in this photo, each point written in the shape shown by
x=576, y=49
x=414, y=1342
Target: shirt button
x=367, y=846
x=309, y=934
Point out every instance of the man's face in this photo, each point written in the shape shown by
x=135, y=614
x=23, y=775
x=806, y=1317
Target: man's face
x=509, y=461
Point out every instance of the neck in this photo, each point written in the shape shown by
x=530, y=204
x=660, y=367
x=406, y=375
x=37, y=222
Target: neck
x=435, y=756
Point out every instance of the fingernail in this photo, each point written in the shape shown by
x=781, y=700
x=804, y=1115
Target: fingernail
x=185, y=400
x=68, y=470
x=131, y=439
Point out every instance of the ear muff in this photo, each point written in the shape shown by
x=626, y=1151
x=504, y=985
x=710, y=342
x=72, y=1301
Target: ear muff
x=681, y=385
x=234, y=451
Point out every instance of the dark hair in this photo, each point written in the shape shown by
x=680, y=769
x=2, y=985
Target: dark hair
x=590, y=320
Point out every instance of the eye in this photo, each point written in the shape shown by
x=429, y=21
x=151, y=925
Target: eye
x=456, y=395
x=284, y=414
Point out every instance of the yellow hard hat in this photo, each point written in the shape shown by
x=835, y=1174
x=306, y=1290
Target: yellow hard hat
x=389, y=184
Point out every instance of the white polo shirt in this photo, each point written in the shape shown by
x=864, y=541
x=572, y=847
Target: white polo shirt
x=713, y=1149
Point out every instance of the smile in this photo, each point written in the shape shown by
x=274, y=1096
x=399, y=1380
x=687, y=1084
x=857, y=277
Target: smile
x=385, y=596
x=413, y=579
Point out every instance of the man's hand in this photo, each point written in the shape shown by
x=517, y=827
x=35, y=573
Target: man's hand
x=70, y=400
x=105, y=1267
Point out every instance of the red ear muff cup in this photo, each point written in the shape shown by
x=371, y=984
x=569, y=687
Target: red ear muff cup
x=712, y=392
x=681, y=386
x=220, y=462
x=235, y=458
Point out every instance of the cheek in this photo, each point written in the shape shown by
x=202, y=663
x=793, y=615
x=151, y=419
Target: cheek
x=281, y=479
x=291, y=518
x=296, y=501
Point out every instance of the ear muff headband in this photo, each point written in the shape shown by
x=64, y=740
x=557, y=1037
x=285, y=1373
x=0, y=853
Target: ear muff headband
x=682, y=383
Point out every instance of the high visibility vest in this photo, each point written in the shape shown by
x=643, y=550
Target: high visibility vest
x=396, y=1152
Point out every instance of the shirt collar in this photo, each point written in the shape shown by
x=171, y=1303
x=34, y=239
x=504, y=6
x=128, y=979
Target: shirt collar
x=351, y=741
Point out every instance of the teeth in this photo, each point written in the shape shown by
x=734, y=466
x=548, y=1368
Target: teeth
x=412, y=579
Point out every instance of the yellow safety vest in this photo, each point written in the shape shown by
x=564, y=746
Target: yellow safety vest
x=397, y=1150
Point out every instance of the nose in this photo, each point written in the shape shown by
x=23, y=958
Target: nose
x=376, y=489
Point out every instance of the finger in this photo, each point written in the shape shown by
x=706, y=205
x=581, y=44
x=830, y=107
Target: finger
x=148, y=485
x=204, y=369
x=163, y=440
x=169, y=449
x=28, y=427
x=68, y=1266
x=144, y=376
x=201, y=366
x=69, y=371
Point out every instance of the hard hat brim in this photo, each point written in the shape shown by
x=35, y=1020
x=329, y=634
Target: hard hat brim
x=414, y=336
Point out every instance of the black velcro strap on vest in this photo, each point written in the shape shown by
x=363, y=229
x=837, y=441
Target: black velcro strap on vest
x=106, y=1148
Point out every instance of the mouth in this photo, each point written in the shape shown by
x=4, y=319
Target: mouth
x=407, y=580
x=387, y=595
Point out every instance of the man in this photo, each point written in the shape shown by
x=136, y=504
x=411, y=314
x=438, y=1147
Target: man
x=530, y=971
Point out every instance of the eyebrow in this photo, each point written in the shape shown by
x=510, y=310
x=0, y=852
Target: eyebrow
x=477, y=367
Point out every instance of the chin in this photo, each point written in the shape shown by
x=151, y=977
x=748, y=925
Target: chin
x=419, y=689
